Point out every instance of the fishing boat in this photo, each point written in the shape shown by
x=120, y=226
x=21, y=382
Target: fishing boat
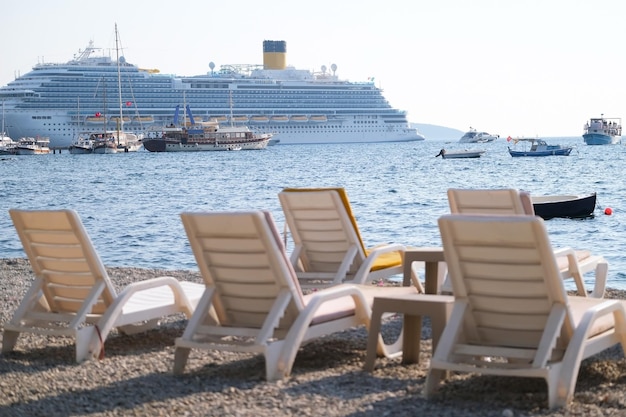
x=539, y=147
x=473, y=136
x=603, y=131
x=569, y=206
x=40, y=102
x=454, y=154
x=205, y=136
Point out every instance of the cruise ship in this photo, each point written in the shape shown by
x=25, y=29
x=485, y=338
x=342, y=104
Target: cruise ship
x=59, y=100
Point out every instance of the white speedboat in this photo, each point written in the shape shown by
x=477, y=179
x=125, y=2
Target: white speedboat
x=473, y=136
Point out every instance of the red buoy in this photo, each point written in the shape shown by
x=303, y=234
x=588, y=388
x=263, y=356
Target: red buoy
x=608, y=211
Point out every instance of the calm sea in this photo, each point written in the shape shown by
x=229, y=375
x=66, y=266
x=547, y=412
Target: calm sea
x=130, y=203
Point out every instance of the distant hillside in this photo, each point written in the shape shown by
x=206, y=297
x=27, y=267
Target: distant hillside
x=434, y=132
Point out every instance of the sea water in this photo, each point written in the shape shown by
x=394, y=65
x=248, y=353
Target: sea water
x=130, y=203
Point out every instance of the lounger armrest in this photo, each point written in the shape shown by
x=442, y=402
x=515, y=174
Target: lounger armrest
x=361, y=276
x=109, y=318
x=565, y=252
x=328, y=295
x=576, y=351
x=573, y=269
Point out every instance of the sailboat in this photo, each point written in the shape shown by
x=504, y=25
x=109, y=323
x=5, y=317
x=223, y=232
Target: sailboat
x=82, y=143
x=126, y=141
x=7, y=145
x=103, y=141
x=115, y=140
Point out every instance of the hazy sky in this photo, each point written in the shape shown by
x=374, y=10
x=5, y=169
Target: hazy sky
x=511, y=67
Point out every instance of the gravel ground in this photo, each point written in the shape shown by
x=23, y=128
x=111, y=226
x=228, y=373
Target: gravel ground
x=40, y=377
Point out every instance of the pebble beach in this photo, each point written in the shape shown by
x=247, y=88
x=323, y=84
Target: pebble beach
x=40, y=377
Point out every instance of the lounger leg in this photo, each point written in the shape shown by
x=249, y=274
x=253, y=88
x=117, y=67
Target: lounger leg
x=181, y=355
x=602, y=270
x=277, y=367
x=433, y=379
x=373, y=337
x=411, y=342
x=9, y=338
x=87, y=344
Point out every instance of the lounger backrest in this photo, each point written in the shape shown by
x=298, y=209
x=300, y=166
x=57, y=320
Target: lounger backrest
x=503, y=268
x=241, y=257
x=322, y=224
x=489, y=201
x=63, y=257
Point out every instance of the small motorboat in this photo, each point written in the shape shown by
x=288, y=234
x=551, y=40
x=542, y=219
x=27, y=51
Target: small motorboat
x=460, y=154
x=539, y=147
x=568, y=206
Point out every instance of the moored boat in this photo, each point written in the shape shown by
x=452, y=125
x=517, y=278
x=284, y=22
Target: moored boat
x=205, y=136
x=7, y=145
x=32, y=146
x=603, y=131
x=539, y=147
x=82, y=145
x=104, y=143
x=455, y=154
x=569, y=206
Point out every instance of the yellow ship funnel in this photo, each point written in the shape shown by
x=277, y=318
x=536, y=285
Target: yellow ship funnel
x=274, y=55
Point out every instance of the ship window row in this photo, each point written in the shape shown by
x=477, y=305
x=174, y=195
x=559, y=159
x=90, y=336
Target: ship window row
x=325, y=129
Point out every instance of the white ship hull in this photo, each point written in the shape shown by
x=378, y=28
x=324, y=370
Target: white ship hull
x=201, y=148
x=313, y=133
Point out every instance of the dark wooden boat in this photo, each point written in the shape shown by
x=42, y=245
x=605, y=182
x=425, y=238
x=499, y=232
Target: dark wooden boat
x=569, y=206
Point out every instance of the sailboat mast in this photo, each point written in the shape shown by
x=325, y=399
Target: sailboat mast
x=119, y=86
